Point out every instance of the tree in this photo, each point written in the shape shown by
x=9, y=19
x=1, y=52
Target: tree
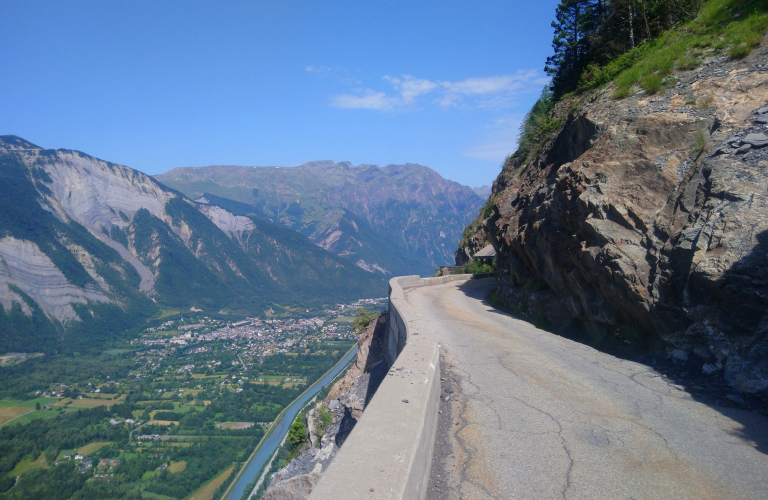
x=591, y=33
x=574, y=22
x=297, y=435
x=37, y=405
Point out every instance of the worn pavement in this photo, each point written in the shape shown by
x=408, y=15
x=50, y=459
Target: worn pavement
x=531, y=415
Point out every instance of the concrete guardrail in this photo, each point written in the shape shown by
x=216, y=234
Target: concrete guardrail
x=389, y=453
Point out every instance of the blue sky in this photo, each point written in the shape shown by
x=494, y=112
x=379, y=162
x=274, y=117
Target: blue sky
x=159, y=85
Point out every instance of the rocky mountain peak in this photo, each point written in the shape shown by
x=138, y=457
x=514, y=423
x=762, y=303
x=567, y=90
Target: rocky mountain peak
x=15, y=143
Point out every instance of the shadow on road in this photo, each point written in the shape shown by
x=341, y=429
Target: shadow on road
x=749, y=410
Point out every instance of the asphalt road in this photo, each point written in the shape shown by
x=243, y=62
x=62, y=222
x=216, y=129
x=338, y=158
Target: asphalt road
x=536, y=416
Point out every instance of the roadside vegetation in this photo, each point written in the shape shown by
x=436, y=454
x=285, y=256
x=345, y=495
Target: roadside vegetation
x=640, y=43
x=363, y=319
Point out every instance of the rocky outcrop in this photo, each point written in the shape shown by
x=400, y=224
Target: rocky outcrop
x=296, y=482
x=474, y=240
x=645, y=220
x=233, y=225
x=345, y=403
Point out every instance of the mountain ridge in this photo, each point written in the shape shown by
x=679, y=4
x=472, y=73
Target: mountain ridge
x=411, y=206
x=83, y=239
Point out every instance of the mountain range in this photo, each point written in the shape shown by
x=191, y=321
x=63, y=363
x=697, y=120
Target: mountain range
x=88, y=246
x=395, y=220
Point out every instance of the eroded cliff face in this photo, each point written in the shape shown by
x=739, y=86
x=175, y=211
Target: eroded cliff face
x=646, y=219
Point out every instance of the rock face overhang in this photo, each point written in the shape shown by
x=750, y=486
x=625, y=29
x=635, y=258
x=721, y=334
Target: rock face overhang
x=644, y=221
x=389, y=453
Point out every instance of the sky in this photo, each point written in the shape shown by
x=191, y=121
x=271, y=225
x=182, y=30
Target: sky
x=165, y=84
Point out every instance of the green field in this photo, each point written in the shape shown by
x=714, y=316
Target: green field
x=188, y=408
x=39, y=414
x=28, y=464
x=91, y=447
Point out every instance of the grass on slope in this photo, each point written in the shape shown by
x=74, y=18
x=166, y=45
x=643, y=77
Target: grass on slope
x=734, y=26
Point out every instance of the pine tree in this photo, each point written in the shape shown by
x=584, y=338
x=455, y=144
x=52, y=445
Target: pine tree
x=596, y=31
x=574, y=21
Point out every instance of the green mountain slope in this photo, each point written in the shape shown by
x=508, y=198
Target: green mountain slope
x=343, y=233
x=400, y=219
x=89, y=249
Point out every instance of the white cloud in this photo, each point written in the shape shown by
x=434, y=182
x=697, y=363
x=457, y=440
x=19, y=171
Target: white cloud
x=492, y=91
x=368, y=100
x=319, y=70
x=410, y=88
x=495, y=91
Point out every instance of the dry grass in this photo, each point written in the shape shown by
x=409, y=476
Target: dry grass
x=91, y=447
x=234, y=425
x=102, y=395
x=10, y=412
x=177, y=466
x=207, y=491
x=162, y=422
x=87, y=403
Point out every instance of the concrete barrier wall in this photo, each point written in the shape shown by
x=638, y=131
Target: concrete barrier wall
x=389, y=453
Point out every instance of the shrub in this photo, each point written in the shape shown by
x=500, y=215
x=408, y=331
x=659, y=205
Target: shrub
x=363, y=319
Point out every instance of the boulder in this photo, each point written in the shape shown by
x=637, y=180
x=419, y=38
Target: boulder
x=295, y=488
x=756, y=140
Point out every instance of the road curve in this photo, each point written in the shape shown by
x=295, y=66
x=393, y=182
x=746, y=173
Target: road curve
x=537, y=416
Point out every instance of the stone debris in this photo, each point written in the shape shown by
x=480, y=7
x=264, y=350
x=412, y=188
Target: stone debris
x=735, y=399
x=756, y=140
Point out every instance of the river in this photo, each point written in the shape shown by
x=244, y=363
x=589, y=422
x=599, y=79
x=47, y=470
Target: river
x=271, y=443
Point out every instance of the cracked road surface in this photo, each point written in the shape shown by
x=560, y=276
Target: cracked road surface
x=536, y=416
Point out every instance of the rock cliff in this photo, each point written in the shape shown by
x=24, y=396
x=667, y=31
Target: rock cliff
x=644, y=220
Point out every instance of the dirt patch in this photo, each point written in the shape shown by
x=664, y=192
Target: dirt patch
x=234, y=425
